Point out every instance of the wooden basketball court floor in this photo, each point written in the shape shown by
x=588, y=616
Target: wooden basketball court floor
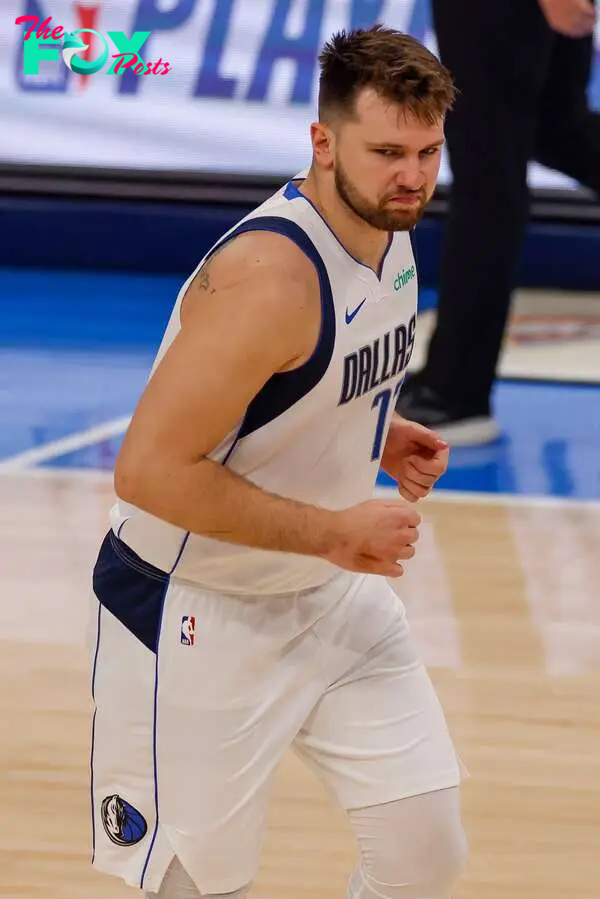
x=503, y=599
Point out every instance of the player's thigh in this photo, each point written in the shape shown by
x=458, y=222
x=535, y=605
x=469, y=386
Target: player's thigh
x=122, y=638
x=234, y=698
x=191, y=723
x=379, y=732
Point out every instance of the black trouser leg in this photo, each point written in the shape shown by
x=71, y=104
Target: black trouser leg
x=568, y=135
x=498, y=53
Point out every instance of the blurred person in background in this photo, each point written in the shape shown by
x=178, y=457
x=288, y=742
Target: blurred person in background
x=522, y=69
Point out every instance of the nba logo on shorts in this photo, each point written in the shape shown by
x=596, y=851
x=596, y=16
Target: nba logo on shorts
x=188, y=630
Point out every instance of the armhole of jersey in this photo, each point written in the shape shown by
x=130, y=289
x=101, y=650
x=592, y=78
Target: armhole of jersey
x=284, y=389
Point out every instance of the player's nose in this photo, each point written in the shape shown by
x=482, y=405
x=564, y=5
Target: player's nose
x=410, y=174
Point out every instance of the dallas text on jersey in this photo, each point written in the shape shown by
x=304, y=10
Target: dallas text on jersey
x=370, y=366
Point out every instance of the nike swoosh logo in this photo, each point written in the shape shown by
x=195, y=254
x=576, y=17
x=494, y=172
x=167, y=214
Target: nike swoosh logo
x=354, y=313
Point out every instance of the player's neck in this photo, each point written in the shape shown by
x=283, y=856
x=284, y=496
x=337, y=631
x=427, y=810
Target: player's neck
x=361, y=240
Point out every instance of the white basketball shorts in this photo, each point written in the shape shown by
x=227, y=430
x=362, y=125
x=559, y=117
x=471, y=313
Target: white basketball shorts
x=198, y=695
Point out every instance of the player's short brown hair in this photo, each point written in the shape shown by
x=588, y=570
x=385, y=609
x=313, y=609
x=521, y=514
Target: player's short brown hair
x=394, y=64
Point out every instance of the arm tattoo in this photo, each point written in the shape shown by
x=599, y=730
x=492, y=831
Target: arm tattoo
x=204, y=273
x=203, y=279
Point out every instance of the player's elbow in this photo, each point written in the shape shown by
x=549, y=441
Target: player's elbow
x=156, y=481
x=124, y=485
x=136, y=477
x=129, y=482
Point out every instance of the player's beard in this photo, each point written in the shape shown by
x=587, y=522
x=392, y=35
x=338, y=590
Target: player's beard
x=381, y=216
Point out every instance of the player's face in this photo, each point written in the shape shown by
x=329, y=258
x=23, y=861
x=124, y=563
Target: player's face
x=386, y=163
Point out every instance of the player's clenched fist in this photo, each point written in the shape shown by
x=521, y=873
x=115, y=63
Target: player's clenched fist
x=374, y=537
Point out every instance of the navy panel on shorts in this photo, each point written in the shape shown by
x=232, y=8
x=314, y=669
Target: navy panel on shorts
x=131, y=589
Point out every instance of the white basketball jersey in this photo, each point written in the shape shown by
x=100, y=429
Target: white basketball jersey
x=314, y=434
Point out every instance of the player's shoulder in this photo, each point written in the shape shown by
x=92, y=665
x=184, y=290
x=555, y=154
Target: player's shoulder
x=258, y=273
x=263, y=255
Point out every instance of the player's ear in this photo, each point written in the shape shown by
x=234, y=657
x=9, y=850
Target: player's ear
x=323, y=143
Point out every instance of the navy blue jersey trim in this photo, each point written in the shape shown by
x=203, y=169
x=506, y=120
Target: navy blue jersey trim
x=385, y=255
x=284, y=389
x=93, y=736
x=291, y=192
x=154, y=740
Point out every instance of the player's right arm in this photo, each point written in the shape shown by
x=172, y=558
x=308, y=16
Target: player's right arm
x=252, y=311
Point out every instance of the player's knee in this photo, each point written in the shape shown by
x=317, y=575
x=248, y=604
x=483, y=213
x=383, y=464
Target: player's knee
x=417, y=851
x=430, y=873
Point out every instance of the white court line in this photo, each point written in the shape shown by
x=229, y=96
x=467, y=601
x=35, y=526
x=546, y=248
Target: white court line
x=65, y=445
x=94, y=475
x=497, y=499
x=23, y=464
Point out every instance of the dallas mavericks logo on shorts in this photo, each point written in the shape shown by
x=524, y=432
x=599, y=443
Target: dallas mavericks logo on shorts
x=123, y=824
x=188, y=630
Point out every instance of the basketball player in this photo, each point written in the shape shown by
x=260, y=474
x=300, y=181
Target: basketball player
x=242, y=605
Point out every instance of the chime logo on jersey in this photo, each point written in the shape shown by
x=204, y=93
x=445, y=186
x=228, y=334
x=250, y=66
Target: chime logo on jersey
x=403, y=277
x=188, y=630
x=123, y=824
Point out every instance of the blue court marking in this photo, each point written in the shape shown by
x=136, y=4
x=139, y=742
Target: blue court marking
x=551, y=433
x=49, y=394
x=49, y=309
x=46, y=308
x=76, y=349
x=550, y=446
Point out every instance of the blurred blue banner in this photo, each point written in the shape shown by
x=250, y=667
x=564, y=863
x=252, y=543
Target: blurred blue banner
x=226, y=85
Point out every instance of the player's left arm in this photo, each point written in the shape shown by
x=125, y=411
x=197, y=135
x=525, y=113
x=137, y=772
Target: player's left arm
x=415, y=457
